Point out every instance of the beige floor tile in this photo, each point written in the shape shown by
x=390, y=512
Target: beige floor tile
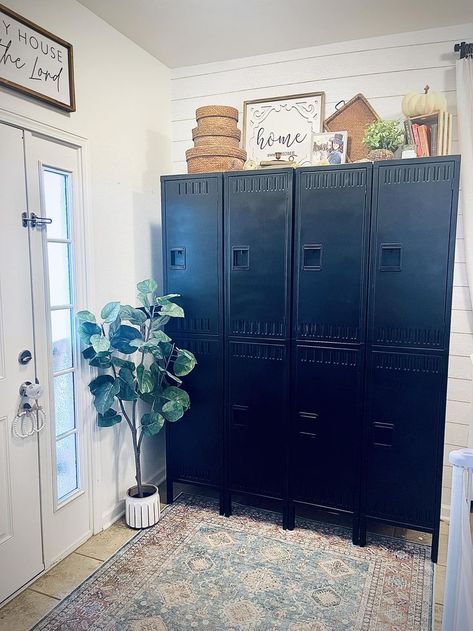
x=66, y=575
x=413, y=535
x=443, y=547
x=438, y=613
x=24, y=611
x=106, y=543
x=439, y=583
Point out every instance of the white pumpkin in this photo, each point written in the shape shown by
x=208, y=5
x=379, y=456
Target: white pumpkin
x=414, y=104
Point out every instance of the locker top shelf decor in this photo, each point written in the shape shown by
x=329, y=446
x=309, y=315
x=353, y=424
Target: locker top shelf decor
x=353, y=165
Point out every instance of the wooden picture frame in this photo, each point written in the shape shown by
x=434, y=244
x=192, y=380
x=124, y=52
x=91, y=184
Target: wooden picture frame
x=292, y=120
x=35, y=62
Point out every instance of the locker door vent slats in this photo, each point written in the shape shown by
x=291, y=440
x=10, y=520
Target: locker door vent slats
x=328, y=356
x=259, y=183
x=417, y=173
x=270, y=352
x=328, y=332
x=334, y=179
x=408, y=362
x=193, y=187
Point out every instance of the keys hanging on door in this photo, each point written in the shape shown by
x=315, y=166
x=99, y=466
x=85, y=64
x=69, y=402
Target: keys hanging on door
x=30, y=417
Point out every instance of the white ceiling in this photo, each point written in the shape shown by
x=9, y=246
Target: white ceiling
x=187, y=32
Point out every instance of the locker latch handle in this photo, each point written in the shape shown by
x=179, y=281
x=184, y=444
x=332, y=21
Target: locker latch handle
x=240, y=257
x=177, y=258
x=312, y=257
x=390, y=257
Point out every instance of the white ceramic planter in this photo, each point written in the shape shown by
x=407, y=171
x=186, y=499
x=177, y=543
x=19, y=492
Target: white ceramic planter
x=142, y=512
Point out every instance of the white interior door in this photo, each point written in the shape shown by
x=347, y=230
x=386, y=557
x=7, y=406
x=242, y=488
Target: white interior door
x=21, y=556
x=55, y=192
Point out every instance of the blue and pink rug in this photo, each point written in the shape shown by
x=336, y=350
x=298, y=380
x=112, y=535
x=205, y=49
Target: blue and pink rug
x=198, y=570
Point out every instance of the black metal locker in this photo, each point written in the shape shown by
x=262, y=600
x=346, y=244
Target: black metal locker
x=405, y=409
x=258, y=224
x=326, y=425
x=330, y=253
x=412, y=241
x=193, y=250
x=257, y=374
x=193, y=267
x=195, y=442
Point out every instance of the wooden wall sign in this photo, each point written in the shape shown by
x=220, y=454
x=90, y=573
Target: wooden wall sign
x=35, y=62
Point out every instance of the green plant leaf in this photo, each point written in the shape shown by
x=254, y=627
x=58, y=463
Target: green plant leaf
x=137, y=344
x=158, y=322
x=114, y=326
x=171, y=310
x=127, y=385
x=101, y=360
x=88, y=353
x=159, y=335
x=145, y=380
x=86, y=330
x=161, y=300
x=143, y=298
x=172, y=410
x=147, y=286
x=184, y=362
x=135, y=316
x=152, y=423
x=111, y=417
x=110, y=312
x=118, y=362
x=100, y=343
x=122, y=338
x=177, y=394
x=85, y=316
x=104, y=388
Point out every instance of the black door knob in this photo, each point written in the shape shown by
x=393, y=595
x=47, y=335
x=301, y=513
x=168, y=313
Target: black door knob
x=25, y=357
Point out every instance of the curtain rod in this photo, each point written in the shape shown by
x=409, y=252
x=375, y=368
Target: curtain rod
x=465, y=50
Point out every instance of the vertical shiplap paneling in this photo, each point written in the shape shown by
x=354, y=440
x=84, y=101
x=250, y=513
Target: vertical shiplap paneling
x=383, y=69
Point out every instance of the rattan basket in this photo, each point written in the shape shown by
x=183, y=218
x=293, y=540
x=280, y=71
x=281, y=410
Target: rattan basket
x=208, y=158
x=215, y=136
x=224, y=111
x=353, y=117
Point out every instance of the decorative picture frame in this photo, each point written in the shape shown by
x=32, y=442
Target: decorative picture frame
x=329, y=148
x=35, y=62
x=281, y=128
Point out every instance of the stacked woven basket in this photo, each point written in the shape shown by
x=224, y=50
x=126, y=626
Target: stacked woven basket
x=216, y=141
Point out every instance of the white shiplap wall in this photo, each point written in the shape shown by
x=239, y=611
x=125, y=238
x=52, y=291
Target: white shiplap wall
x=383, y=69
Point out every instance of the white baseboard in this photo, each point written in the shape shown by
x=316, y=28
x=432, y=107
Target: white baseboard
x=113, y=515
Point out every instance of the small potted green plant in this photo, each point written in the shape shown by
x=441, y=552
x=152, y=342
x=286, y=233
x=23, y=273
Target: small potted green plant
x=383, y=138
x=138, y=362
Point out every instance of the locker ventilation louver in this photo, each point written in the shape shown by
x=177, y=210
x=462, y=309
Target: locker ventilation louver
x=199, y=347
x=408, y=362
x=258, y=351
x=193, y=187
x=415, y=174
x=334, y=179
x=259, y=183
x=428, y=338
x=196, y=325
x=246, y=327
x=328, y=332
x=328, y=356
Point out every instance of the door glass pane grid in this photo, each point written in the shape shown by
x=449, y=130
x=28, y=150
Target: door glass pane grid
x=56, y=191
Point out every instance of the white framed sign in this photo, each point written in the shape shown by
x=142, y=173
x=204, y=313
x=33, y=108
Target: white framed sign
x=282, y=127
x=35, y=62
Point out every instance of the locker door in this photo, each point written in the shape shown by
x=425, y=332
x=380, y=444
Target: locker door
x=412, y=238
x=258, y=216
x=192, y=226
x=326, y=425
x=332, y=223
x=405, y=423
x=257, y=416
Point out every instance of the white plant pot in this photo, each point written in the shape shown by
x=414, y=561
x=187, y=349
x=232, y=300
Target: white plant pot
x=142, y=512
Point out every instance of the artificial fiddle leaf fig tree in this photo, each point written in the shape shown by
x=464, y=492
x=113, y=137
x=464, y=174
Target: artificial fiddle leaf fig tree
x=139, y=362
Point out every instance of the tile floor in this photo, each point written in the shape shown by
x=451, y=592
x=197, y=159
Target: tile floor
x=31, y=605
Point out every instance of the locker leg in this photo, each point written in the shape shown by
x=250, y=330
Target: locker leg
x=435, y=545
x=355, y=534
x=169, y=490
x=362, y=531
x=222, y=502
x=289, y=516
x=227, y=504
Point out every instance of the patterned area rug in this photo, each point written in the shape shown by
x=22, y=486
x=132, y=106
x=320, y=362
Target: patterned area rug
x=198, y=570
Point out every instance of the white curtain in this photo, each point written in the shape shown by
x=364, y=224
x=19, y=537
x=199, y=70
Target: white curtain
x=465, y=138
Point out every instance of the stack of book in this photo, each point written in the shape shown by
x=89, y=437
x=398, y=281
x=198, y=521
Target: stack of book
x=431, y=134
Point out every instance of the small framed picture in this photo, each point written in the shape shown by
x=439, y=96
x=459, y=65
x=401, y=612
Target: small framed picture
x=329, y=148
